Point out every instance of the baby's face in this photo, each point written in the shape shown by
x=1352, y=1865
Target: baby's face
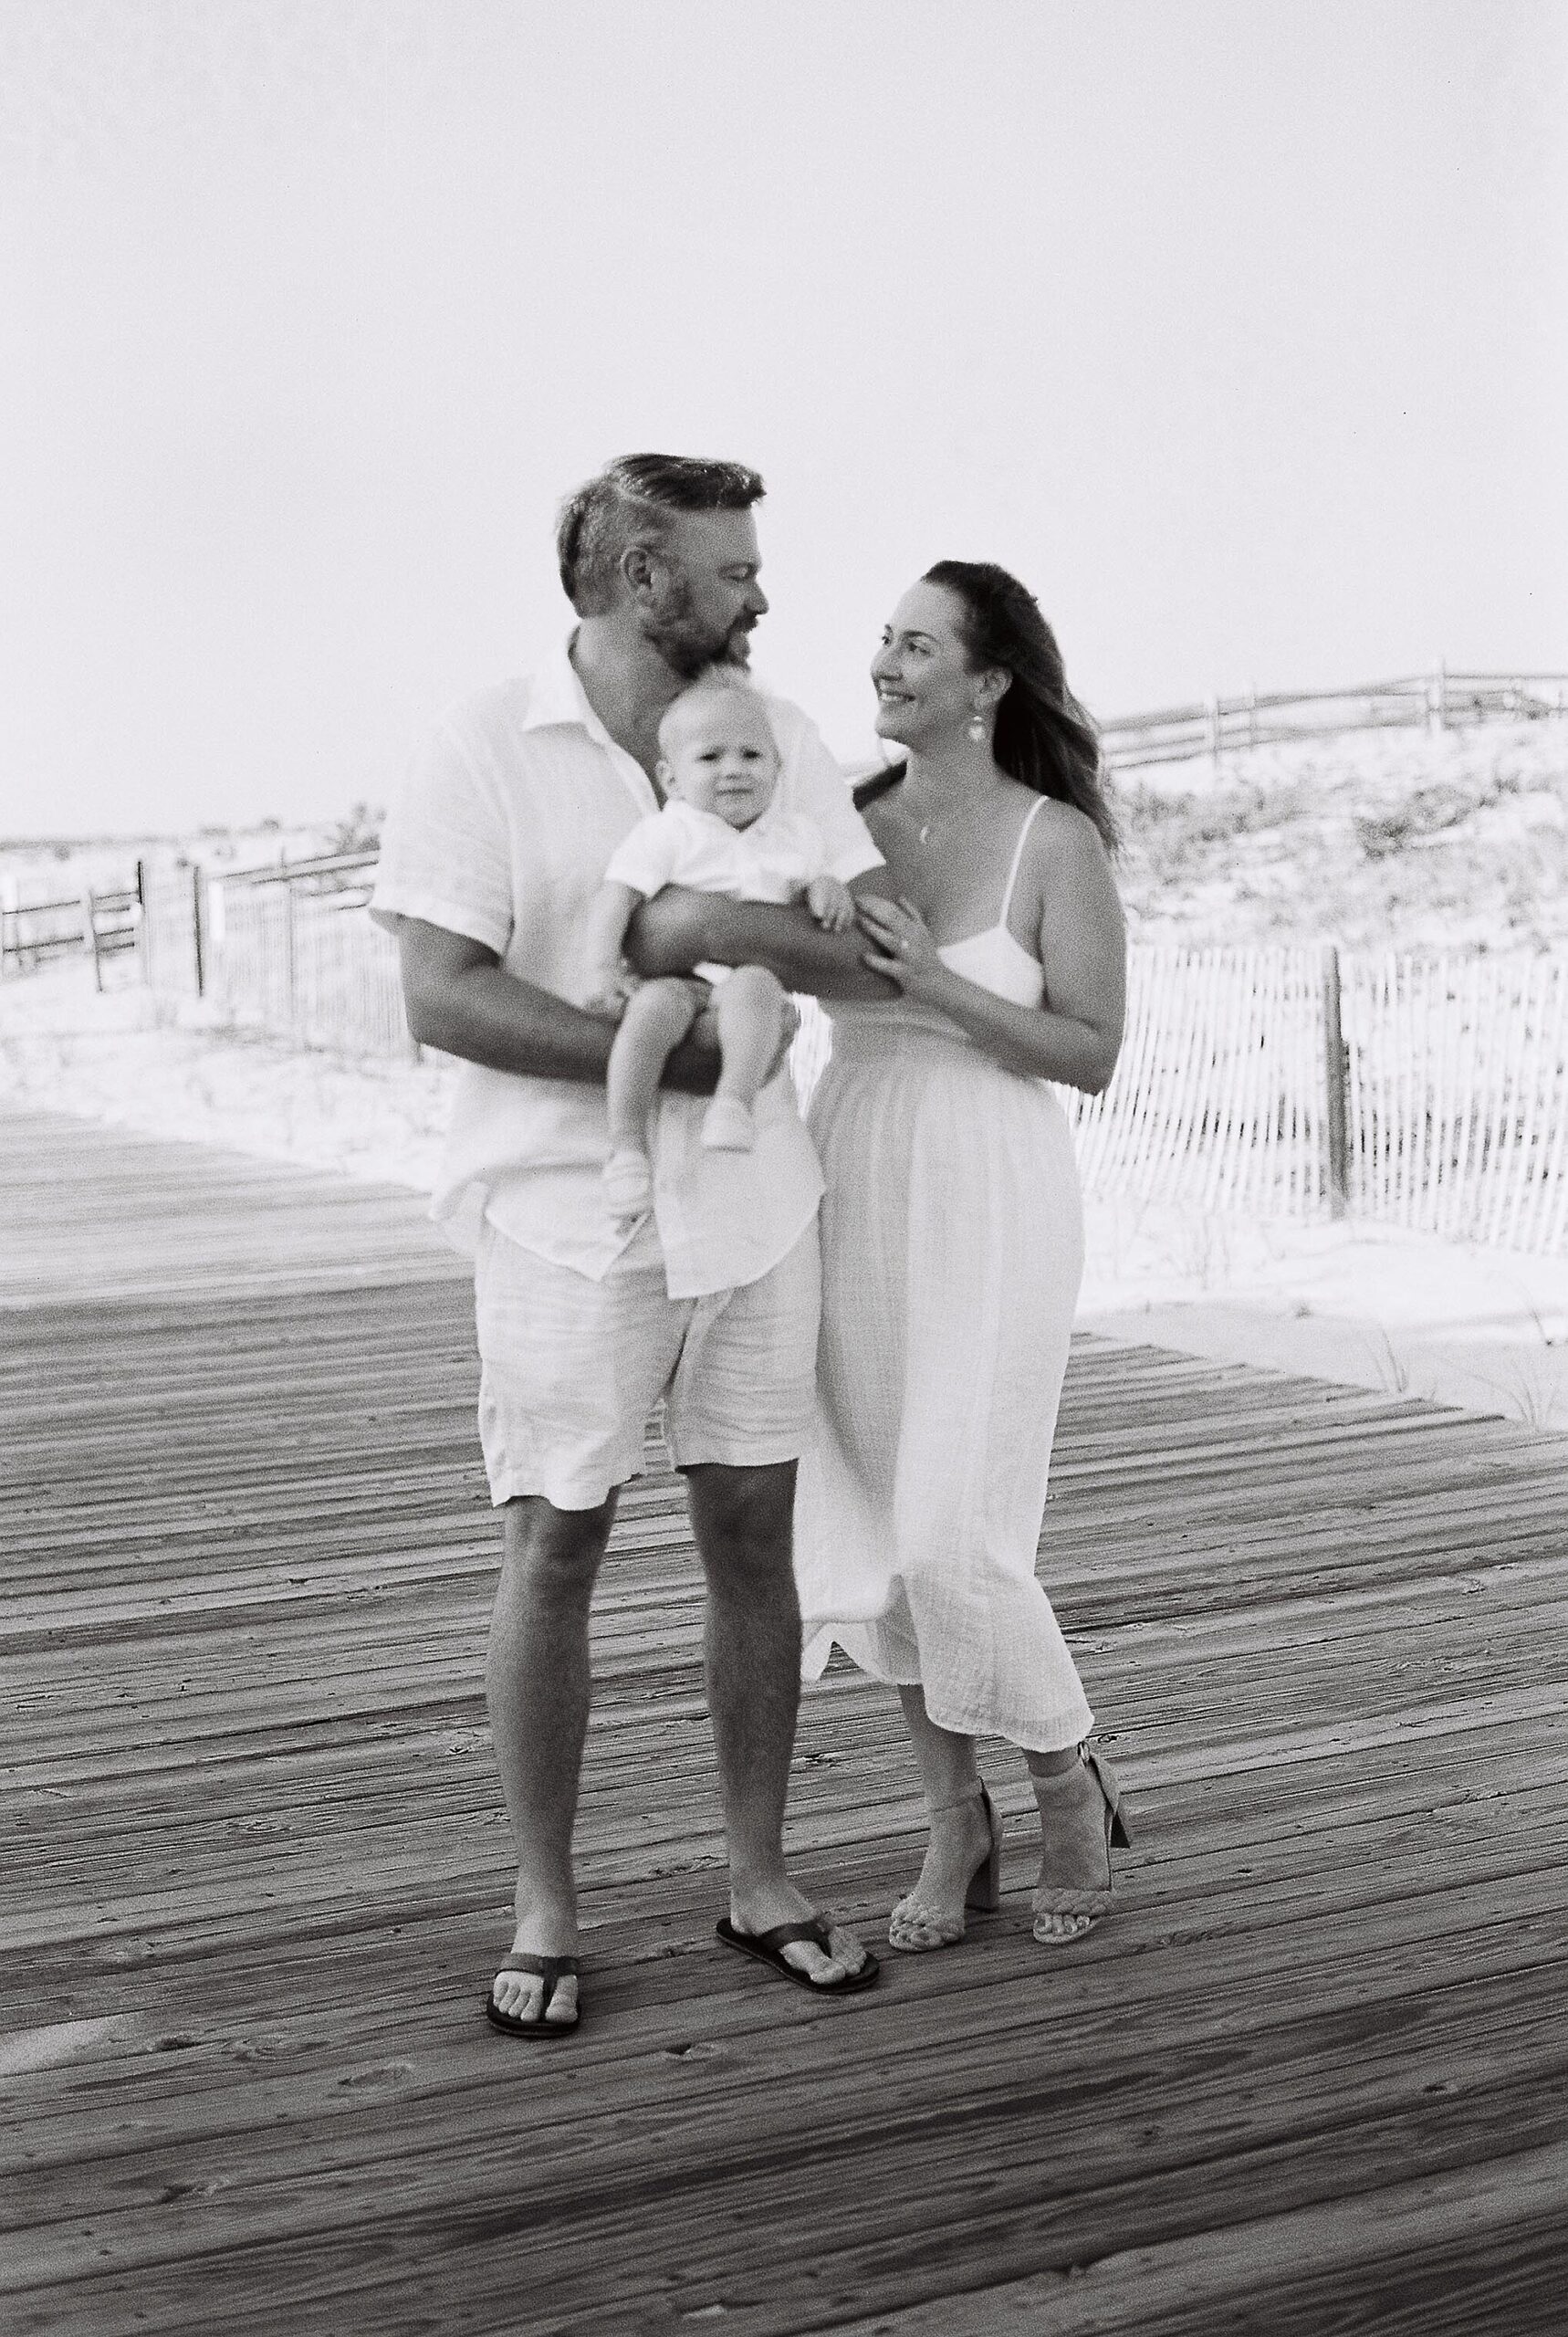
x=719, y=756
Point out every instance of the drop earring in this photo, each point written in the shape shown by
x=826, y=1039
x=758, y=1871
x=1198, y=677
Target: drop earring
x=977, y=726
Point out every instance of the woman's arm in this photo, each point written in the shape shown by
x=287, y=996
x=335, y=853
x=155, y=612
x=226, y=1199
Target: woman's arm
x=679, y=929
x=1076, y=1035
x=459, y=999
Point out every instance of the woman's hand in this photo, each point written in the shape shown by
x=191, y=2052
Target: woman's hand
x=902, y=946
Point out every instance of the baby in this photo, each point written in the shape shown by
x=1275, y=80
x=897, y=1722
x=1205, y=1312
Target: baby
x=721, y=831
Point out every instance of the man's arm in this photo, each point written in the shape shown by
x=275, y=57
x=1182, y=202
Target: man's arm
x=679, y=929
x=606, y=984
x=458, y=1000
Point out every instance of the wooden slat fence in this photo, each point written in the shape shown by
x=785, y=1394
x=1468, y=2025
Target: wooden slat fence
x=174, y=912
x=1453, y=1072
x=306, y=961
x=32, y=932
x=1454, y=1090
x=1458, y=1094
x=1220, y=1098
x=1436, y=701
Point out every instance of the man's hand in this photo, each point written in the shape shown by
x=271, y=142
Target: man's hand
x=831, y=903
x=678, y=930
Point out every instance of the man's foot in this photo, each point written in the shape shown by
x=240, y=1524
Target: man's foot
x=727, y=1125
x=842, y=1958
x=544, y=1999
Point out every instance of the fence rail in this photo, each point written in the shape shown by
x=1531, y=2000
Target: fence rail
x=1437, y=701
x=105, y=924
x=308, y=964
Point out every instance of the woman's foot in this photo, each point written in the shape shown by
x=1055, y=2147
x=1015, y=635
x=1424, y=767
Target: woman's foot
x=1080, y=1817
x=962, y=1866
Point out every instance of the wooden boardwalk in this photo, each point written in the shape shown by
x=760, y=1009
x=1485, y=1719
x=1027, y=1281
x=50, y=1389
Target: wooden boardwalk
x=1312, y=2078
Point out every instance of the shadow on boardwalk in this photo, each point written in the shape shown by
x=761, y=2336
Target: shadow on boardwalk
x=1312, y=2077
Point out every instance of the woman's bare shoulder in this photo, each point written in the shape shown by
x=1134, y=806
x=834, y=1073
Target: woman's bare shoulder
x=1062, y=838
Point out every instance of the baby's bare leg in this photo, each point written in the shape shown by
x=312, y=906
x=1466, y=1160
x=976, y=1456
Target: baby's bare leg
x=750, y=1011
x=656, y=1020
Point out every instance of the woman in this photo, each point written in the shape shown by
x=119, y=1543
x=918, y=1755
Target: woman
x=952, y=1238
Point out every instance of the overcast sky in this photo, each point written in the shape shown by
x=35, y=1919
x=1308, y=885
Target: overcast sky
x=1241, y=331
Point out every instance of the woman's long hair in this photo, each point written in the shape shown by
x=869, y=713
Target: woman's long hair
x=1043, y=737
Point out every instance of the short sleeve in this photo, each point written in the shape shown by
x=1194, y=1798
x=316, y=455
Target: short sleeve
x=445, y=853
x=646, y=858
x=805, y=846
x=818, y=791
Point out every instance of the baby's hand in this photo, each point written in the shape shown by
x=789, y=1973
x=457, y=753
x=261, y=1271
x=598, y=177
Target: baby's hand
x=606, y=989
x=831, y=903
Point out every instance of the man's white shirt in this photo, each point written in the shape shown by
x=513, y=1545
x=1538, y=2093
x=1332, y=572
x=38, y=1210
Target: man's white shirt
x=503, y=833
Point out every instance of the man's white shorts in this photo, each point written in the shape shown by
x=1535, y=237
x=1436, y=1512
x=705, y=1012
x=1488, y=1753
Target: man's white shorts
x=573, y=1367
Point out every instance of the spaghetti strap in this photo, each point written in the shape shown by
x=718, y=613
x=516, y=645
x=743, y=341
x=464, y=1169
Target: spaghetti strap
x=1028, y=821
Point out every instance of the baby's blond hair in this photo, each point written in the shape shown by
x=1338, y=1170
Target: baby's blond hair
x=711, y=682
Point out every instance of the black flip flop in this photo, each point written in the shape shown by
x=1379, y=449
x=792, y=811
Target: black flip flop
x=768, y=1947
x=548, y=1968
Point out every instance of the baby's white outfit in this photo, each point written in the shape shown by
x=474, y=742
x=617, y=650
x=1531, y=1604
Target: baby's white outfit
x=772, y=860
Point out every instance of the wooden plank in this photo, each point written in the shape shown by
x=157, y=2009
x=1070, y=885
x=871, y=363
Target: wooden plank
x=1455, y=2253
x=1312, y=2073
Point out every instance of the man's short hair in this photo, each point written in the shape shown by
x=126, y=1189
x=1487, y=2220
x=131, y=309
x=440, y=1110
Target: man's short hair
x=630, y=503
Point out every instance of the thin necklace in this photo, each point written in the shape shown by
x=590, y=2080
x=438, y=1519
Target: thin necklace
x=923, y=827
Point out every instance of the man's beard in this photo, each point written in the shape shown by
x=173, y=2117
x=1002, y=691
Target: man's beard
x=688, y=648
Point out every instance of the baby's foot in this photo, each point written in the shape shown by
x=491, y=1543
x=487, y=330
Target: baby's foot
x=727, y=1125
x=628, y=1186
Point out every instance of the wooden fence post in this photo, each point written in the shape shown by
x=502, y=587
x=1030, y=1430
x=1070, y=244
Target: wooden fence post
x=291, y=958
x=1437, y=698
x=90, y=936
x=198, y=937
x=1334, y=1085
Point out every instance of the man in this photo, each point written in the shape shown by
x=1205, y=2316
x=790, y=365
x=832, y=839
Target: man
x=487, y=866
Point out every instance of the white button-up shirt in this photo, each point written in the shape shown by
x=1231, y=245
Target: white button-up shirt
x=503, y=833
x=772, y=860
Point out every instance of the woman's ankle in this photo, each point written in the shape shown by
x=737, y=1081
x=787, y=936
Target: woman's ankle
x=955, y=1798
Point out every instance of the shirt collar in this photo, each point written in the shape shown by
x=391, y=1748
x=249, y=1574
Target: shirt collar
x=557, y=696
x=678, y=808
x=558, y=700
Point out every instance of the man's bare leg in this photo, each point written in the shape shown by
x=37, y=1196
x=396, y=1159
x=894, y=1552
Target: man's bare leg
x=537, y=1686
x=742, y=1520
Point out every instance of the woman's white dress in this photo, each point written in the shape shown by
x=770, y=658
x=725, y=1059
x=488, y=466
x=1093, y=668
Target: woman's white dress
x=951, y=1253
